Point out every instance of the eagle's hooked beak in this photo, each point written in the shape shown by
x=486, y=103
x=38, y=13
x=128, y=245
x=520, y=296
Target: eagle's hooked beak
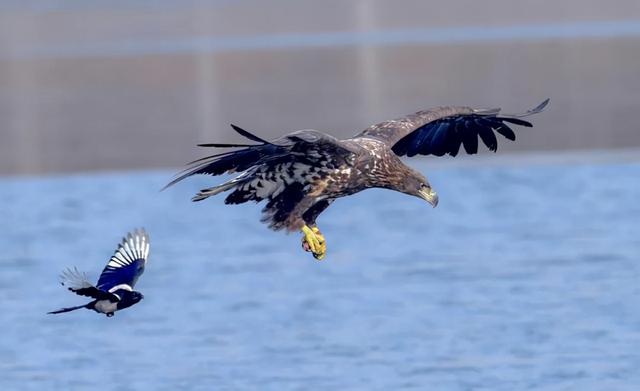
x=429, y=195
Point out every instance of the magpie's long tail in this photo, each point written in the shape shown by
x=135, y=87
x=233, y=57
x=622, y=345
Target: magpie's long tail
x=61, y=310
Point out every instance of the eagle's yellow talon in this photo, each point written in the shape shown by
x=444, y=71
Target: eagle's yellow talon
x=314, y=241
x=321, y=242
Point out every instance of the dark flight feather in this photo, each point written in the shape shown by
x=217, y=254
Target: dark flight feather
x=486, y=134
x=506, y=131
x=469, y=139
x=440, y=131
x=517, y=121
x=248, y=135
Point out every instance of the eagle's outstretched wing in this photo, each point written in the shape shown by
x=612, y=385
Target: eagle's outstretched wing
x=442, y=130
x=127, y=263
x=78, y=283
x=302, y=145
x=280, y=172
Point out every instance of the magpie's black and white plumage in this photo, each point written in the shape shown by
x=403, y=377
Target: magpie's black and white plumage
x=114, y=290
x=300, y=174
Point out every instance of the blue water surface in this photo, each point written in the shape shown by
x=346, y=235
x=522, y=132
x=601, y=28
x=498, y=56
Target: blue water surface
x=523, y=278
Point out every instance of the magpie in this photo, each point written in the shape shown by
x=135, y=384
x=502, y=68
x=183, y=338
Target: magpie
x=114, y=290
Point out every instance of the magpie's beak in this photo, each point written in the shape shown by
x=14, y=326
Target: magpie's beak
x=429, y=195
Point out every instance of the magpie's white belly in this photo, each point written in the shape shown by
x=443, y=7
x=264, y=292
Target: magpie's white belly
x=105, y=306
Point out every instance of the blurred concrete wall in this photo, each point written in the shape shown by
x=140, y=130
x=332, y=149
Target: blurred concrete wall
x=124, y=84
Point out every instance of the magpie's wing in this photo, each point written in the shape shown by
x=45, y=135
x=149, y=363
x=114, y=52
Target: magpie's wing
x=443, y=130
x=127, y=263
x=78, y=283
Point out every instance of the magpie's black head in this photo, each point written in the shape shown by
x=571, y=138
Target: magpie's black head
x=136, y=296
x=129, y=298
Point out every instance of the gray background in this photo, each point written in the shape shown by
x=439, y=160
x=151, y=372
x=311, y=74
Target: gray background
x=119, y=85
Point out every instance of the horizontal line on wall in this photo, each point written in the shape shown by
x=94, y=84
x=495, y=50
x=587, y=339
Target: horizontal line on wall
x=421, y=36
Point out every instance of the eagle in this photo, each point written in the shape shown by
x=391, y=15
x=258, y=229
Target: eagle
x=300, y=174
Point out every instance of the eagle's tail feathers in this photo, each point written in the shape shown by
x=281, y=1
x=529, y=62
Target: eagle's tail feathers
x=228, y=162
x=206, y=193
x=232, y=161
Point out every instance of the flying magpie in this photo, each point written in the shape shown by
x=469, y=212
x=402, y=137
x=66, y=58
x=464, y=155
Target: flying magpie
x=114, y=290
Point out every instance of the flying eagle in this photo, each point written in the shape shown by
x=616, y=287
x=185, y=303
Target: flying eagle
x=300, y=174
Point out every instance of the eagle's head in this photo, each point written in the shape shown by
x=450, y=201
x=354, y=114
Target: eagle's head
x=417, y=185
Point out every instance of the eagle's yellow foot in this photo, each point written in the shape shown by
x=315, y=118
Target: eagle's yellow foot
x=314, y=242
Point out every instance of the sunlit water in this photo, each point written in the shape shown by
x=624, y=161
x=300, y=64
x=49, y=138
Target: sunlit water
x=524, y=277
